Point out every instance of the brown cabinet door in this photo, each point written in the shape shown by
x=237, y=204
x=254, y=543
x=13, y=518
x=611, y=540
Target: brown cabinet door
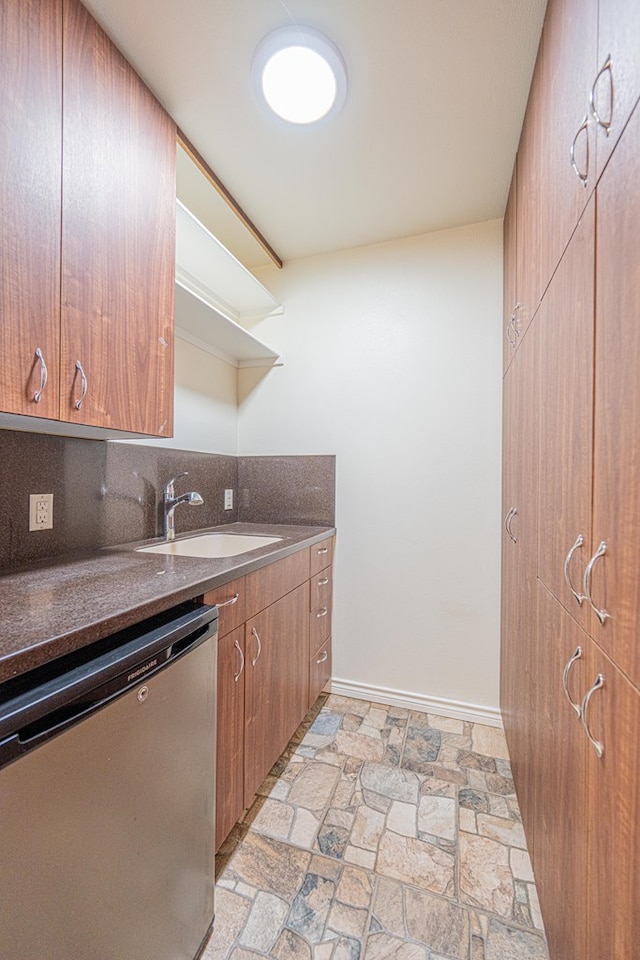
x=566, y=331
x=519, y=563
x=510, y=306
x=566, y=64
x=30, y=186
x=613, y=718
x=617, y=88
x=118, y=239
x=277, y=683
x=558, y=760
x=230, y=733
x=615, y=581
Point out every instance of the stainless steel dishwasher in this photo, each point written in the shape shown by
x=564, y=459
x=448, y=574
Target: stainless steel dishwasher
x=107, y=778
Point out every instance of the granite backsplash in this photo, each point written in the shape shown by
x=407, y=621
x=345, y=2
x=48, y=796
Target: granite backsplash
x=110, y=493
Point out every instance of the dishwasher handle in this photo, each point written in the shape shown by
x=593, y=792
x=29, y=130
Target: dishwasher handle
x=47, y=709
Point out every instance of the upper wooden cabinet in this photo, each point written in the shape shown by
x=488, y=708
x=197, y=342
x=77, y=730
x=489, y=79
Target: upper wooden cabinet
x=30, y=188
x=616, y=89
x=510, y=305
x=88, y=220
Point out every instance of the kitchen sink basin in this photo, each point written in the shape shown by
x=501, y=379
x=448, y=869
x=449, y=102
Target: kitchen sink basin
x=212, y=545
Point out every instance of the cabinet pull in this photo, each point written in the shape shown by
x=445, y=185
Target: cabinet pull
x=322, y=613
x=325, y=656
x=44, y=376
x=602, y=615
x=565, y=678
x=597, y=685
x=512, y=326
x=257, y=656
x=323, y=582
x=567, y=577
x=582, y=177
x=230, y=602
x=83, y=389
x=605, y=124
x=237, y=675
x=507, y=523
x=323, y=550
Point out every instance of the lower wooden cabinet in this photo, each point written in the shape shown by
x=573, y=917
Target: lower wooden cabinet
x=230, y=737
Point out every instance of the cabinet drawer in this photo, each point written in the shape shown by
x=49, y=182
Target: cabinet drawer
x=268, y=584
x=319, y=671
x=321, y=555
x=321, y=589
x=231, y=601
x=319, y=626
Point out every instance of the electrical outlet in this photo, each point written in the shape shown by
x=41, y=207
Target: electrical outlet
x=41, y=511
x=228, y=499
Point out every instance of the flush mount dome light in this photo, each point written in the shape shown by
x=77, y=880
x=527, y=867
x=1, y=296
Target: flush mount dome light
x=299, y=74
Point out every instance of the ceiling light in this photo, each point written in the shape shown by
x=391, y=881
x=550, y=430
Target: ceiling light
x=299, y=74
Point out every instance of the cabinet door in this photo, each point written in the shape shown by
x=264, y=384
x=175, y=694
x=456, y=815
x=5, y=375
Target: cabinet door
x=613, y=717
x=615, y=583
x=568, y=54
x=558, y=760
x=510, y=308
x=617, y=90
x=230, y=733
x=519, y=564
x=30, y=186
x=118, y=236
x=566, y=329
x=277, y=683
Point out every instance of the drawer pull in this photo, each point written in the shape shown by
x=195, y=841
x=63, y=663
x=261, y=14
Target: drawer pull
x=598, y=683
x=83, y=388
x=257, y=656
x=325, y=656
x=323, y=550
x=322, y=613
x=602, y=615
x=565, y=678
x=605, y=124
x=230, y=602
x=44, y=375
x=507, y=523
x=323, y=582
x=567, y=577
x=237, y=675
x=582, y=176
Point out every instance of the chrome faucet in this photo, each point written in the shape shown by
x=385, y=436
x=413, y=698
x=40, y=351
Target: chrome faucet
x=170, y=502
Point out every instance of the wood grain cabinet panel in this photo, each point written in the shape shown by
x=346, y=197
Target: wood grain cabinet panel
x=277, y=682
x=319, y=670
x=230, y=733
x=30, y=187
x=268, y=584
x=616, y=90
x=118, y=229
x=510, y=305
x=615, y=583
x=321, y=555
x=566, y=342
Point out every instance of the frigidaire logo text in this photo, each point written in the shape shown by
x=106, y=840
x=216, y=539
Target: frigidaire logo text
x=141, y=670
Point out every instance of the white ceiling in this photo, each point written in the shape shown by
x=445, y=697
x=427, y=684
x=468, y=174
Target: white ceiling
x=427, y=136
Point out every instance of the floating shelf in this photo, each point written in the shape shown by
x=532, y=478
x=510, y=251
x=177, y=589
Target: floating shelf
x=216, y=294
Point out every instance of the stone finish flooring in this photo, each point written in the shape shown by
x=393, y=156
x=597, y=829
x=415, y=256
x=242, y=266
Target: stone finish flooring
x=381, y=833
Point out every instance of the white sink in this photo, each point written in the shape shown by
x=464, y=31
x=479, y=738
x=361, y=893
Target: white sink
x=212, y=545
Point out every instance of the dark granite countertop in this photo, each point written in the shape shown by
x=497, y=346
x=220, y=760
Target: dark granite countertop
x=54, y=608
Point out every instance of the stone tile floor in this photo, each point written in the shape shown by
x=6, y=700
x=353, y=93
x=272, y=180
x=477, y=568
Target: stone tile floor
x=381, y=833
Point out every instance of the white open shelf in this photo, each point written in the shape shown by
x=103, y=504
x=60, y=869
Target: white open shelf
x=215, y=295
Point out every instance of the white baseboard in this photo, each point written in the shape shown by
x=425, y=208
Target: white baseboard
x=457, y=709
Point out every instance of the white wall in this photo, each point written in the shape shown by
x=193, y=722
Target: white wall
x=393, y=362
x=205, y=405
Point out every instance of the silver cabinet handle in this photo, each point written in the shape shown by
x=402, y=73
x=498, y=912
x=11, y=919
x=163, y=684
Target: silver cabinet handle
x=44, y=376
x=565, y=678
x=83, y=390
x=323, y=550
x=598, y=683
x=323, y=582
x=237, y=675
x=257, y=656
x=507, y=523
x=605, y=124
x=512, y=326
x=322, y=613
x=582, y=177
x=567, y=577
x=230, y=602
x=325, y=656
x=602, y=615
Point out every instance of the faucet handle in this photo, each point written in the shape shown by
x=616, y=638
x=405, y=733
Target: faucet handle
x=169, y=491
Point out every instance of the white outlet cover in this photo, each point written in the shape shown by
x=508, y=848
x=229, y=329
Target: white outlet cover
x=41, y=511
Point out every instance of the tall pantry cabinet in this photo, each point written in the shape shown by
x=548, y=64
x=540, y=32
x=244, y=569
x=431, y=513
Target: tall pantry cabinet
x=571, y=582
